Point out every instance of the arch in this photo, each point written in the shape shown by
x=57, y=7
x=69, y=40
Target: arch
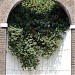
x=17, y=3
x=65, y=9
x=58, y=2
x=12, y=9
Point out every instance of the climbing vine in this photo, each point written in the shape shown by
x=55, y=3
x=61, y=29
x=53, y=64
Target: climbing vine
x=34, y=27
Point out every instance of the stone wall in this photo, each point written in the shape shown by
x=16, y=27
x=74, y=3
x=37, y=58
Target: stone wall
x=7, y=5
x=5, y=8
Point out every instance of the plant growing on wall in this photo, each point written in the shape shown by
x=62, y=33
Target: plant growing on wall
x=34, y=28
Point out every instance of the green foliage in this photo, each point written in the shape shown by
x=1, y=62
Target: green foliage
x=40, y=6
x=34, y=28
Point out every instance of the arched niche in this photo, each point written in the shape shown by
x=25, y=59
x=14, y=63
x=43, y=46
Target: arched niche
x=66, y=10
x=61, y=5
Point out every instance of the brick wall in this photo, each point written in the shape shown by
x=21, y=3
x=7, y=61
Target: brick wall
x=73, y=51
x=2, y=50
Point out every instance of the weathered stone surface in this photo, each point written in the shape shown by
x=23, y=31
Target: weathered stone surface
x=1, y=2
x=7, y=5
x=5, y=9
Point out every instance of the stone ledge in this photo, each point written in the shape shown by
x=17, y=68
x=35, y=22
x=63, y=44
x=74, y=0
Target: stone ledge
x=4, y=25
x=72, y=26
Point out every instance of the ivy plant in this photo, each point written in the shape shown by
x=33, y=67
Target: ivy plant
x=34, y=27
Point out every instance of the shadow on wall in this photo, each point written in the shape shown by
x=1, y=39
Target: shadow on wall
x=58, y=64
